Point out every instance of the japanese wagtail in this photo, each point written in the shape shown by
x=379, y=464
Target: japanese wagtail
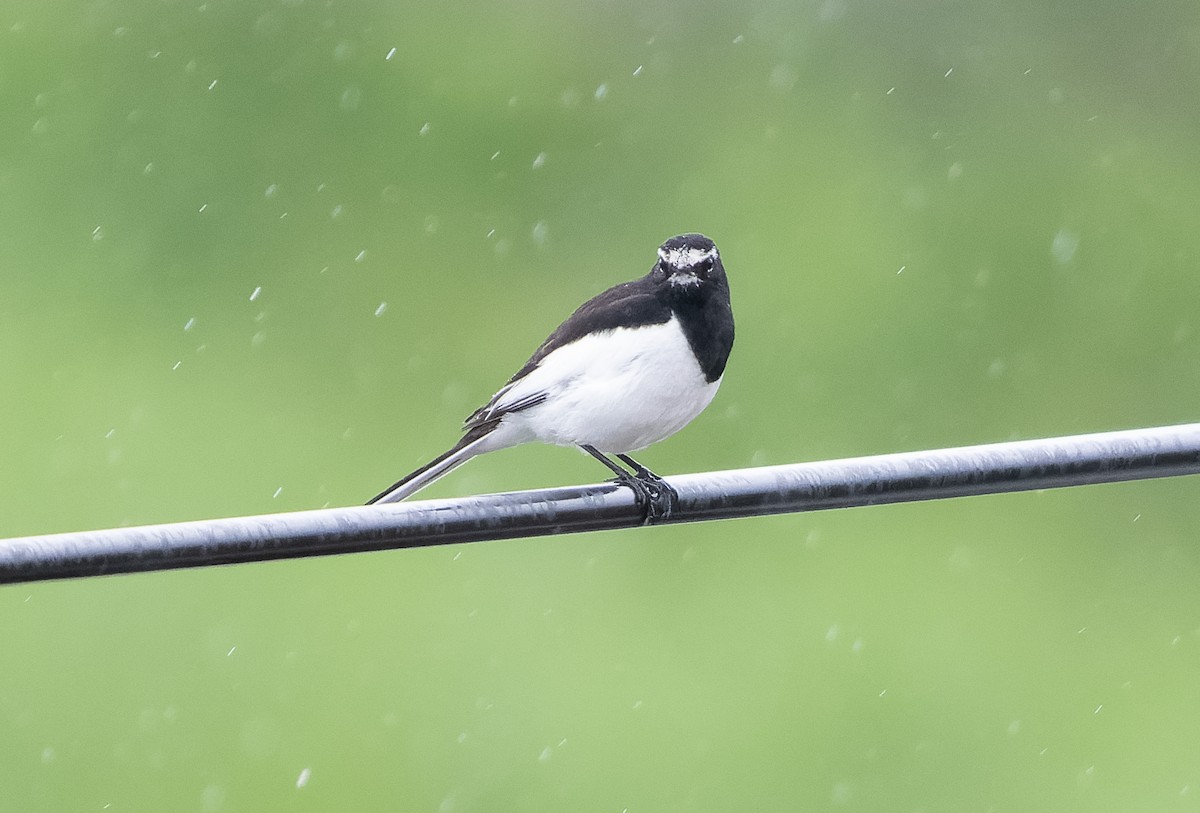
x=630, y=367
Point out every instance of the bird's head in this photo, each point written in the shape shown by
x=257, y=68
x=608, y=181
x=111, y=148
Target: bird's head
x=688, y=261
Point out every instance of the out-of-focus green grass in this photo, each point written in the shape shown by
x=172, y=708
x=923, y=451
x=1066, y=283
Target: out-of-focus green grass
x=261, y=257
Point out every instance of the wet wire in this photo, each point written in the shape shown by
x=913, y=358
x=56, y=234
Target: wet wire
x=904, y=477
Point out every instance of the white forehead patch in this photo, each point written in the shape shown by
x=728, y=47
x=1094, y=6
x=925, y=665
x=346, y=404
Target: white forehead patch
x=686, y=256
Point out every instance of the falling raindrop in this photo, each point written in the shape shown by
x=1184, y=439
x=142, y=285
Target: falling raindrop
x=1064, y=245
x=783, y=77
x=351, y=98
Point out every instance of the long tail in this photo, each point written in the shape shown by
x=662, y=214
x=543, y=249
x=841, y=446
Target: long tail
x=441, y=465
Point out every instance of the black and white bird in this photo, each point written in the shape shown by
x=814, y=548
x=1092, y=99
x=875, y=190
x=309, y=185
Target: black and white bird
x=630, y=367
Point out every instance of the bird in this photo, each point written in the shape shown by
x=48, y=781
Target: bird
x=630, y=367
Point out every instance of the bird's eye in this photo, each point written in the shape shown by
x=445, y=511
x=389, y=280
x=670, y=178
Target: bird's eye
x=706, y=265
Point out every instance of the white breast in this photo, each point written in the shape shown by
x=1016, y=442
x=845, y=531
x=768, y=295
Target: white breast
x=618, y=391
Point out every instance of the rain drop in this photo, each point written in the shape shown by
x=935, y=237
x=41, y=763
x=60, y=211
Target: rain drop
x=783, y=77
x=1064, y=245
x=351, y=98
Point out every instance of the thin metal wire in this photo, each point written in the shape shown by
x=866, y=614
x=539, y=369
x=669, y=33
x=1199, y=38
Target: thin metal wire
x=1018, y=466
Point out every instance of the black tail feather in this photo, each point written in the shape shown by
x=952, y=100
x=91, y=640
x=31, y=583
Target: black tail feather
x=413, y=475
x=472, y=435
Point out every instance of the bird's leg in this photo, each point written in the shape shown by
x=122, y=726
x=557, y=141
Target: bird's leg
x=664, y=499
x=652, y=493
x=639, y=471
x=623, y=477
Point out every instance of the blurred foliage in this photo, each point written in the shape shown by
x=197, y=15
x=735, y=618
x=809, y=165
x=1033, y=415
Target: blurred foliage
x=264, y=256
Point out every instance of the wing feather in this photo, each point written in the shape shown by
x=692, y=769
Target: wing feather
x=626, y=305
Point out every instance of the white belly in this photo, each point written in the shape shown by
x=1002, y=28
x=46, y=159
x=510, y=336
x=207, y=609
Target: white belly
x=619, y=391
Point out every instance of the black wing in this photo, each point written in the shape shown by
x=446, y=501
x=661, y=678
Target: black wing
x=631, y=303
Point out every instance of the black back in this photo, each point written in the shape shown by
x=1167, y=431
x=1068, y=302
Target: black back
x=702, y=308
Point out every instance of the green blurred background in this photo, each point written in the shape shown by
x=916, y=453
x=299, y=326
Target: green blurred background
x=264, y=256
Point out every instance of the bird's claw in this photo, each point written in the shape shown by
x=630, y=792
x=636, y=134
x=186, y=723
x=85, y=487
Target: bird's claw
x=653, y=494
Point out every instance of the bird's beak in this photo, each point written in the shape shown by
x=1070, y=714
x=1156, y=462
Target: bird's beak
x=686, y=278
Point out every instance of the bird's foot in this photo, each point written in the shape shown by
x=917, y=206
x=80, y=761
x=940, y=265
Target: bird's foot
x=653, y=494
